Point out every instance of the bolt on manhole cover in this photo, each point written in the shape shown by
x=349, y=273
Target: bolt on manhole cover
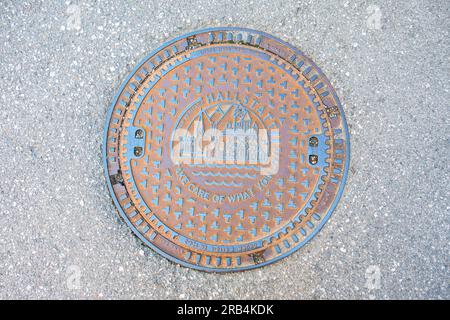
x=226, y=149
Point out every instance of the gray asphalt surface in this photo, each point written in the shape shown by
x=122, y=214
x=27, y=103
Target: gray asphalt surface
x=60, y=66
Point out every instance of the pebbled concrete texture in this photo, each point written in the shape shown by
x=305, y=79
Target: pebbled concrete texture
x=60, y=66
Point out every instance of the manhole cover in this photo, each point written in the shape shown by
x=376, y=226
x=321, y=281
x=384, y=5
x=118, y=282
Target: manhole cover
x=226, y=149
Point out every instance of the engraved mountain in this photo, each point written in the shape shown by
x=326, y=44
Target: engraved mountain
x=225, y=116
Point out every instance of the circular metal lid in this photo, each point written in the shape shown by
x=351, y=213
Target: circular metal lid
x=226, y=149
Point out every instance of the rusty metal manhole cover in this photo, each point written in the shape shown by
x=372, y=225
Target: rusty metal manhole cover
x=226, y=149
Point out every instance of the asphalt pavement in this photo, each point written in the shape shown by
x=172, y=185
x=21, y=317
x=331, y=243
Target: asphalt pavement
x=61, y=64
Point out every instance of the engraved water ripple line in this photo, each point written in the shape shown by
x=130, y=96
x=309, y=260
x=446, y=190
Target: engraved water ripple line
x=223, y=183
x=228, y=174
